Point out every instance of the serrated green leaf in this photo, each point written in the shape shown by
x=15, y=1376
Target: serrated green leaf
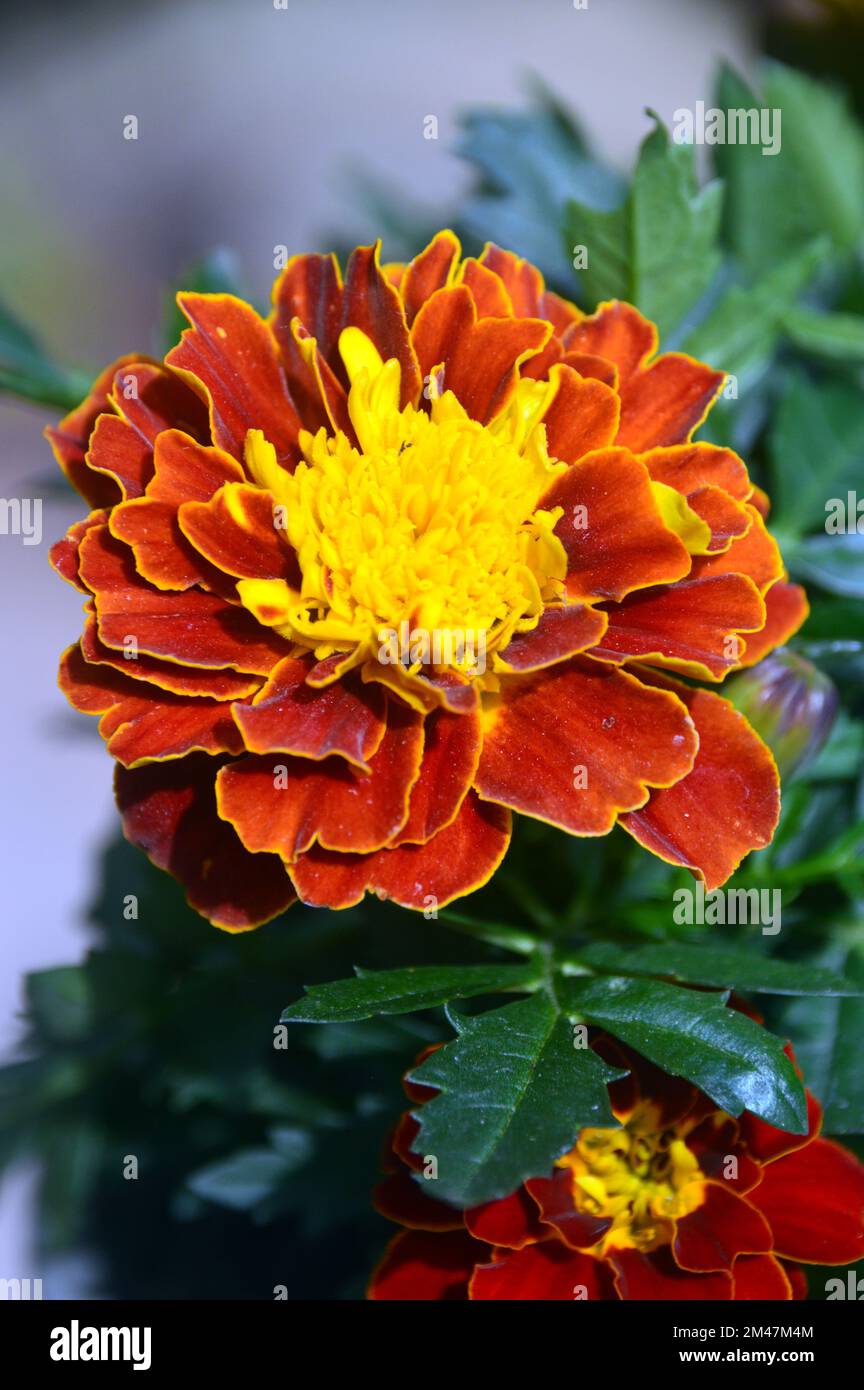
x=403, y=991
x=658, y=249
x=742, y=332
x=514, y=1092
x=816, y=447
x=827, y=1037
x=815, y=184
x=713, y=965
x=691, y=1033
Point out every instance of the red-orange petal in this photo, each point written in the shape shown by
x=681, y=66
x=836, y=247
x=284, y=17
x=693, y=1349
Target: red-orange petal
x=167, y=675
x=548, y=1271
x=310, y=289
x=329, y=803
x=151, y=398
x=169, y=811
x=554, y=1198
x=717, y=1232
x=481, y=357
x=522, y=280
x=370, y=303
x=760, y=1278
x=657, y=1277
x=487, y=289
x=64, y=554
x=727, y=806
x=402, y=1199
x=429, y=271
x=451, y=752
x=690, y=626
x=814, y=1202
x=510, y=1222
x=231, y=352
x=289, y=716
x=690, y=467
x=560, y=633
x=420, y=1266
x=581, y=742
x=612, y=547
x=237, y=531
x=787, y=609
x=582, y=416
x=70, y=438
x=755, y=554
x=192, y=628
x=119, y=452
x=461, y=857
x=616, y=332
x=664, y=403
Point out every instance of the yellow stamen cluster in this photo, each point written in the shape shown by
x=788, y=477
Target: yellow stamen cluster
x=642, y=1176
x=432, y=522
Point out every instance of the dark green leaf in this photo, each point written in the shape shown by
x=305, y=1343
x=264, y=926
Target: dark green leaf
x=693, y=1034
x=715, y=965
x=816, y=446
x=827, y=1035
x=658, y=249
x=514, y=1092
x=834, y=562
x=403, y=991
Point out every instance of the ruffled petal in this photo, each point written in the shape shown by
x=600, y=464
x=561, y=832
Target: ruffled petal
x=237, y=532
x=459, y=859
x=657, y=1277
x=231, y=352
x=716, y=1233
x=431, y=270
x=424, y=1267
x=64, y=555
x=283, y=804
x=118, y=451
x=289, y=716
x=547, y=1271
x=481, y=357
x=371, y=304
x=760, y=1278
x=814, y=1202
x=559, y=634
x=151, y=399
x=580, y=743
x=727, y=806
x=402, y=1199
x=664, y=403
x=691, y=627
x=755, y=554
x=192, y=628
x=690, y=467
x=309, y=289
x=786, y=610
x=169, y=811
x=582, y=416
x=69, y=440
x=510, y=1222
x=554, y=1198
x=613, y=548
x=167, y=675
x=451, y=752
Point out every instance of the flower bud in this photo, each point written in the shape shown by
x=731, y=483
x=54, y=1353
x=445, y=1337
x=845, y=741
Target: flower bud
x=790, y=703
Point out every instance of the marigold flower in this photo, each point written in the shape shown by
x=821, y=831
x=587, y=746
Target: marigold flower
x=681, y=1202
x=426, y=547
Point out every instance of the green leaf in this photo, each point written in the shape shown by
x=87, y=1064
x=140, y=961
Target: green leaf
x=839, y=337
x=741, y=333
x=60, y=1001
x=215, y=273
x=529, y=163
x=403, y=991
x=659, y=248
x=815, y=184
x=693, y=1034
x=514, y=1092
x=827, y=1037
x=248, y=1177
x=816, y=446
x=716, y=965
x=834, y=562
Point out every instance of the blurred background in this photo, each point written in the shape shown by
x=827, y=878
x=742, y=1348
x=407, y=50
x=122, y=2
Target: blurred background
x=258, y=126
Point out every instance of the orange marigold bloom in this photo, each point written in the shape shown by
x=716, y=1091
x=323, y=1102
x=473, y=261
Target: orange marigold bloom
x=681, y=1202
x=420, y=550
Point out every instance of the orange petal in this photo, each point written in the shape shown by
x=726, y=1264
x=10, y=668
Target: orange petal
x=511, y=1222
x=289, y=716
x=664, y=403
x=151, y=399
x=787, y=608
x=657, y=1277
x=460, y=858
x=522, y=280
x=481, y=357
x=690, y=467
x=169, y=811
x=716, y=1233
x=285, y=804
x=727, y=806
x=64, y=554
x=760, y=1277
x=70, y=438
x=451, y=752
x=426, y=1267
x=310, y=289
x=548, y=1272
x=231, y=352
x=814, y=1201
x=579, y=743
x=487, y=289
x=237, y=531
x=582, y=416
x=554, y=1198
x=560, y=633
x=597, y=368
x=193, y=628
x=612, y=547
x=317, y=392
x=755, y=554
x=371, y=304
x=691, y=627
x=430, y=271
x=167, y=675
x=616, y=332
x=727, y=519
x=118, y=451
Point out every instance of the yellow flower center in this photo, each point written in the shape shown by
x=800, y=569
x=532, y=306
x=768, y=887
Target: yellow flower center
x=642, y=1176
x=424, y=543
